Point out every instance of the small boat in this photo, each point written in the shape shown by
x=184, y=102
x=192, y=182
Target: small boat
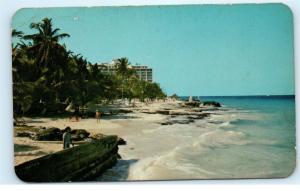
x=81, y=163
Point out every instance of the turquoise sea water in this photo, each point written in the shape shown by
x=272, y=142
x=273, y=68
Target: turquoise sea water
x=275, y=116
x=249, y=137
x=267, y=126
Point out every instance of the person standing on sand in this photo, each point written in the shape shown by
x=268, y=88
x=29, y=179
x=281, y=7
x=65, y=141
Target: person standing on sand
x=67, y=139
x=76, y=112
x=98, y=115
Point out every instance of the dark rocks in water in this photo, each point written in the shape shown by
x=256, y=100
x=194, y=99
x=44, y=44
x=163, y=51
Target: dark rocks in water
x=172, y=122
x=192, y=104
x=176, y=113
x=79, y=134
x=188, y=121
x=189, y=117
x=81, y=163
x=121, y=141
x=199, y=110
x=196, y=117
x=211, y=103
x=184, y=121
x=125, y=111
x=49, y=134
x=167, y=123
x=215, y=122
x=163, y=112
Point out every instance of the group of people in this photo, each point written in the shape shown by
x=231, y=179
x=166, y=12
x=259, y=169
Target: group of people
x=76, y=115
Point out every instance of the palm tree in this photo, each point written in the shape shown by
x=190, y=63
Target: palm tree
x=49, y=55
x=122, y=69
x=124, y=72
x=45, y=42
x=22, y=89
x=122, y=66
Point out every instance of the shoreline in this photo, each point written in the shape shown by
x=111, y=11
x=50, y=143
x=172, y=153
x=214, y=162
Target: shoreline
x=234, y=141
x=139, y=118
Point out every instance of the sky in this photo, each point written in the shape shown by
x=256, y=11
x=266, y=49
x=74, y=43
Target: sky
x=199, y=50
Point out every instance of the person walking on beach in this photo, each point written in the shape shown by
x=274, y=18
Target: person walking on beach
x=76, y=112
x=98, y=115
x=67, y=139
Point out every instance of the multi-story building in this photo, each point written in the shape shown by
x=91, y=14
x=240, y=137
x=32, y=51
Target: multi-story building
x=143, y=72
x=107, y=68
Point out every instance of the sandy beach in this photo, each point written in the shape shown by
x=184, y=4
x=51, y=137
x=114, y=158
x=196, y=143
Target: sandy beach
x=122, y=125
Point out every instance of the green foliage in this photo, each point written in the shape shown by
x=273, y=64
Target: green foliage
x=47, y=76
x=175, y=96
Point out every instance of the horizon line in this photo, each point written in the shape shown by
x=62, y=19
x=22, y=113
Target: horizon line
x=265, y=95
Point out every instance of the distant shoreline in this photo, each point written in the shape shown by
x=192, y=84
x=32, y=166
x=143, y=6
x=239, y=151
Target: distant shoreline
x=243, y=96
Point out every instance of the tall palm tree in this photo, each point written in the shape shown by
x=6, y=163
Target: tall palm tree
x=46, y=47
x=22, y=89
x=124, y=73
x=49, y=55
x=122, y=66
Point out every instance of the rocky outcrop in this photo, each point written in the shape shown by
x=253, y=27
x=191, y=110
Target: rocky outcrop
x=181, y=121
x=195, y=117
x=192, y=104
x=80, y=163
x=211, y=103
x=125, y=111
x=161, y=111
x=49, y=134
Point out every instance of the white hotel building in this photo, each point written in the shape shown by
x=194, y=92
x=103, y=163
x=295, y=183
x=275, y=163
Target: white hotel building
x=143, y=72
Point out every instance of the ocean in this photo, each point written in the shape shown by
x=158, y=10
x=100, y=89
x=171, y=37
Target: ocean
x=249, y=137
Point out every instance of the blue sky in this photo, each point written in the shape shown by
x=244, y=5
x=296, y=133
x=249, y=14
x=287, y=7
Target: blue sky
x=193, y=50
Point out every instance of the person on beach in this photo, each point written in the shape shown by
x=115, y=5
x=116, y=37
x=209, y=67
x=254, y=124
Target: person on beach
x=67, y=138
x=97, y=116
x=76, y=112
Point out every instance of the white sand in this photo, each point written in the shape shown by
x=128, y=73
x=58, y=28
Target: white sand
x=123, y=125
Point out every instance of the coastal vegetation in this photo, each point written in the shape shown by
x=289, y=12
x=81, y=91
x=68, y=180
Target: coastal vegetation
x=47, y=76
